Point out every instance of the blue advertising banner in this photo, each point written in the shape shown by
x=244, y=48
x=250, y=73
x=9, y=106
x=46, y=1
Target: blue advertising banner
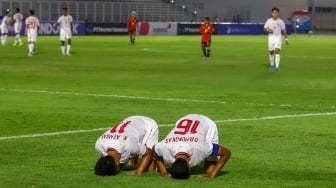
x=245, y=29
x=46, y=28
x=228, y=29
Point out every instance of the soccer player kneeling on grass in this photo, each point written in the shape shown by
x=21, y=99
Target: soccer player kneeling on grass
x=132, y=26
x=66, y=30
x=134, y=136
x=274, y=26
x=193, y=139
x=206, y=30
x=32, y=25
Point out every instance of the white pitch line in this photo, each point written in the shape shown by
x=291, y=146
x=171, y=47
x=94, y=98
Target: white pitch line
x=112, y=96
x=167, y=125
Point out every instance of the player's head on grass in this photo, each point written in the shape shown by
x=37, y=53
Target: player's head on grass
x=65, y=11
x=275, y=12
x=180, y=168
x=106, y=166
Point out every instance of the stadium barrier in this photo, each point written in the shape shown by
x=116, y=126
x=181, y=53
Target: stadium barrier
x=47, y=29
x=106, y=28
x=227, y=29
x=158, y=28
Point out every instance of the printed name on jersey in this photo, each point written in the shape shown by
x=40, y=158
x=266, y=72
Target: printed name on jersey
x=181, y=139
x=113, y=137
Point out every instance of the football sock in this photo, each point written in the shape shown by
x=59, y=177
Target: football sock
x=3, y=39
x=63, y=49
x=68, y=49
x=208, y=54
x=277, y=60
x=271, y=60
x=204, y=52
x=31, y=48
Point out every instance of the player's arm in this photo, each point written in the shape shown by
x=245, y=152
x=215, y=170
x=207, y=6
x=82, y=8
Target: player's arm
x=160, y=164
x=146, y=160
x=224, y=154
x=72, y=28
x=284, y=31
x=26, y=29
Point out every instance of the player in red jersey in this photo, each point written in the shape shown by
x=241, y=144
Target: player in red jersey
x=206, y=30
x=132, y=26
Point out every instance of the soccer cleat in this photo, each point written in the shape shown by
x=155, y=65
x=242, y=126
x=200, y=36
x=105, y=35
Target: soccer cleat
x=14, y=44
x=271, y=68
x=67, y=54
x=20, y=43
x=277, y=69
x=30, y=54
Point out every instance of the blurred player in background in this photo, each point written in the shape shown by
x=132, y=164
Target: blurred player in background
x=134, y=136
x=6, y=21
x=132, y=25
x=18, y=18
x=32, y=25
x=206, y=30
x=193, y=139
x=274, y=26
x=66, y=30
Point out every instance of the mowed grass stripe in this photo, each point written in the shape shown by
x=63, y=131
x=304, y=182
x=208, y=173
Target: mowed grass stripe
x=167, y=125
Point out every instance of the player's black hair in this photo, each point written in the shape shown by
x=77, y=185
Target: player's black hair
x=65, y=8
x=180, y=169
x=7, y=11
x=32, y=12
x=106, y=166
x=207, y=18
x=275, y=9
x=17, y=10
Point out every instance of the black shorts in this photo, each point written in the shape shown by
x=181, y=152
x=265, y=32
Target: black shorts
x=131, y=32
x=206, y=44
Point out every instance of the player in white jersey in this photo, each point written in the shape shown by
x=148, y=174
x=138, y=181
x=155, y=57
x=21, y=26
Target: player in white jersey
x=66, y=30
x=193, y=139
x=134, y=136
x=18, y=18
x=274, y=27
x=6, y=21
x=32, y=25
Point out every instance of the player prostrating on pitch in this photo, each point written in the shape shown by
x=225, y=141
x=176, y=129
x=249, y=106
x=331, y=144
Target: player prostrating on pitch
x=132, y=25
x=18, y=18
x=134, y=136
x=32, y=25
x=193, y=139
x=66, y=30
x=6, y=21
x=274, y=26
x=206, y=30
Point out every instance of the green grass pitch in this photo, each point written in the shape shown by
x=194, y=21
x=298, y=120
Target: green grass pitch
x=259, y=112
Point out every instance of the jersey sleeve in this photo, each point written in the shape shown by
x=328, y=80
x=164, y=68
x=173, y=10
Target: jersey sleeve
x=71, y=20
x=283, y=25
x=37, y=22
x=266, y=24
x=59, y=20
x=212, y=134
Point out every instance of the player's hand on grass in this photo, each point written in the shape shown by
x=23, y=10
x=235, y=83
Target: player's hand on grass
x=203, y=177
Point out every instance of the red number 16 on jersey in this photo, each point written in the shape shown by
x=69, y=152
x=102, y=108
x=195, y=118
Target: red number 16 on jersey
x=187, y=126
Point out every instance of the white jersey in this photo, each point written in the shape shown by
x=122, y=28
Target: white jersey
x=131, y=137
x=193, y=135
x=276, y=25
x=18, y=18
x=65, y=23
x=32, y=25
x=6, y=20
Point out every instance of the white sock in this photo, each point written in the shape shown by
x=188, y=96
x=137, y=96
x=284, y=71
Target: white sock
x=271, y=60
x=63, y=49
x=4, y=39
x=277, y=60
x=31, y=47
x=18, y=38
x=68, y=49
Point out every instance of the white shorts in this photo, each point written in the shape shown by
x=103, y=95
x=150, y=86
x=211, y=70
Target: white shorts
x=65, y=35
x=274, y=43
x=4, y=30
x=31, y=36
x=17, y=28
